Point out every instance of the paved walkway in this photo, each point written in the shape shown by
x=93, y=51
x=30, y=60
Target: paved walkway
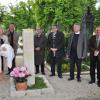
x=64, y=90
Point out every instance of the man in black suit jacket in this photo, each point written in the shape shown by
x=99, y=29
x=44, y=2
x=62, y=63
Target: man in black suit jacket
x=94, y=47
x=56, y=50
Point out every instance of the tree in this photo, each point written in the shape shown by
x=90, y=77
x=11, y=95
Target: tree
x=47, y=12
x=97, y=17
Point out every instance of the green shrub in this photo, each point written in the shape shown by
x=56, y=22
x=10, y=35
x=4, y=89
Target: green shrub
x=66, y=66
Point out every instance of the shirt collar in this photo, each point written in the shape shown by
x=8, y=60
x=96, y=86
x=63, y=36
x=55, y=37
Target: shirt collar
x=98, y=37
x=77, y=33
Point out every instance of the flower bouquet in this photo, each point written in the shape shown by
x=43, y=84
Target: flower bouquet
x=20, y=74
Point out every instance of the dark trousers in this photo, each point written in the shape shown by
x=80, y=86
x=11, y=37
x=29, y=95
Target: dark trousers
x=94, y=63
x=13, y=65
x=37, y=68
x=2, y=63
x=78, y=62
x=56, y=61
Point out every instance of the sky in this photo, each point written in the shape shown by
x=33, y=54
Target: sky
x=7, y=2
x=98, y=4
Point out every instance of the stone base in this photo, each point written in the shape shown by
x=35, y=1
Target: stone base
x=37, y=92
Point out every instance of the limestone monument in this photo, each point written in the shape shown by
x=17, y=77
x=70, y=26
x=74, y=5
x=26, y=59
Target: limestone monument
x=28, y=53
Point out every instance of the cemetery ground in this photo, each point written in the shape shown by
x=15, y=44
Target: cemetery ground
x=63, y=89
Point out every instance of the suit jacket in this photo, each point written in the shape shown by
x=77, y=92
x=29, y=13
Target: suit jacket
x=81, y=45
x=93, y=46
x=57, y=42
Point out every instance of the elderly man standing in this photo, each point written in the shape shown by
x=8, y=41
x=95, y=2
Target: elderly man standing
x=76, y=51
x=94, y=47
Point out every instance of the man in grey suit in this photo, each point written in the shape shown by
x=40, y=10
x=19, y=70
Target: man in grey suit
x=76, y=51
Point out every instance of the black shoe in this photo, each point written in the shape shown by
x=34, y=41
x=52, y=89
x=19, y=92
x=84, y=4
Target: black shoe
x=79, y=80
x=60, y=76
x=52, y=75
x=98, y=85
x=70, y=79
x=90, y=82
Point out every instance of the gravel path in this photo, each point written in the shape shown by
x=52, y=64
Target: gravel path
x=64, y=89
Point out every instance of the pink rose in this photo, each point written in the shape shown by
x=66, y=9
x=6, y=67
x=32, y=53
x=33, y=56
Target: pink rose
x=12, y=74
x=21, y=75
x=23, y=69
x=27, y=73
x=16, y=69
x=16, y=75
x=20, y=72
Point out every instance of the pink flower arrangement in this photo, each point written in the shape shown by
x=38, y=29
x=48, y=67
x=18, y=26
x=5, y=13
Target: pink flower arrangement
x=20, y=74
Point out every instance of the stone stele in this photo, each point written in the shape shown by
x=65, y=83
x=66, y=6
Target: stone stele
x=28, y=53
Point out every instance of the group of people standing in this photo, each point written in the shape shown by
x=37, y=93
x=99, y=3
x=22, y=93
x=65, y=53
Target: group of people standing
x=76, y=50
x=77, y=47
x=8, y=48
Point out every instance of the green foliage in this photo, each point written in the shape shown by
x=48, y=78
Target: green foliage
x=39, y=84
x=47, y=12
x=66, y=66
x=97, y=17
x=23, y=15
x=84, y=68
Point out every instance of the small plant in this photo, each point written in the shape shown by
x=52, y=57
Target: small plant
x=20, y=74
x=39, y=84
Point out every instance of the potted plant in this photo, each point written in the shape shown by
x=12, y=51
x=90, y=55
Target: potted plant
x=20, y=75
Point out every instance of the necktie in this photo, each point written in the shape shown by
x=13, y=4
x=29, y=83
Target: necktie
x=54, y=39
x=54, y=35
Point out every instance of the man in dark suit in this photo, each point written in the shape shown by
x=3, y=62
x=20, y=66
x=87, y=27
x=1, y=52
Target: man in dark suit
x=94, y=47
x=56, y=50
x=76, y=51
